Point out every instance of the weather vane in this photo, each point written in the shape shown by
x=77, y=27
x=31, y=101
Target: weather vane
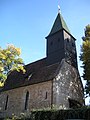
x=58, y=6
x=58, y=9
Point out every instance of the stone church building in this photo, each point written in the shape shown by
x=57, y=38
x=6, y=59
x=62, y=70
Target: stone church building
x=53, y=81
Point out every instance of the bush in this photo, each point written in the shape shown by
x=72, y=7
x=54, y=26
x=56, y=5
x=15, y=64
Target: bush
x=82, y=113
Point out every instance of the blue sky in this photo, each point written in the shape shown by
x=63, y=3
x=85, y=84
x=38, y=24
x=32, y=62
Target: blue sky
x=26, y=23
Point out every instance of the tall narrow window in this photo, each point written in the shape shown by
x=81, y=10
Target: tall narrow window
x=51, y=43
x=46, y=95
x=26, y=100
x=58, y=39
x=6, y=103
x=68, y=40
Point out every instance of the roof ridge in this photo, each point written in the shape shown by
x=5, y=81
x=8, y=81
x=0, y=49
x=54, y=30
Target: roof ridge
x=60, y=65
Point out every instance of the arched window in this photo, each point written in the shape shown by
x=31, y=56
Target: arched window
x=26, y=100
x=6, y=103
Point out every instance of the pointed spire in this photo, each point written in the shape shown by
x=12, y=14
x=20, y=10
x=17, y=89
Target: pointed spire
x=59, y=24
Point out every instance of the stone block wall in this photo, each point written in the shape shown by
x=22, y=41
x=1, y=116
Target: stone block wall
x=39, y=97
x=67, y=85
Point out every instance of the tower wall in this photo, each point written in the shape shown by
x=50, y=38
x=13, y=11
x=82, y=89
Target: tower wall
x=70, y=49
x=55, y=48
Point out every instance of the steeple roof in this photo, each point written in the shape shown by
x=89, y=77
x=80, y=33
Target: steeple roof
x=59, y=24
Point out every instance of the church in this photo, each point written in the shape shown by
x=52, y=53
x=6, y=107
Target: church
x=51, y=82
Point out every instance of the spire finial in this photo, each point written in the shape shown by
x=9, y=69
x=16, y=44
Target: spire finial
x=58, y=9
x=59, y=6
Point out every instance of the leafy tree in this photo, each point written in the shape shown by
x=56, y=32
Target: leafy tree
x=85, y=58
x=10, y=60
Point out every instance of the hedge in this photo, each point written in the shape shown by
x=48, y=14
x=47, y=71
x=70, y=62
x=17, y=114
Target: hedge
x=61, y=114
x=55, y=115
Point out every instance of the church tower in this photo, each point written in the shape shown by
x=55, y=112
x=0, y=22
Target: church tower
x=61, y=49
x=60, y=43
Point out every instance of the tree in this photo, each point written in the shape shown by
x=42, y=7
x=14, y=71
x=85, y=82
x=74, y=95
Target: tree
x=85, y=58
x=9, y=61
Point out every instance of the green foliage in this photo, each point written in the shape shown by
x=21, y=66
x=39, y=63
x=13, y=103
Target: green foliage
x=85, y=58
x=22, y=116
x=81, y=113
x=10, y=60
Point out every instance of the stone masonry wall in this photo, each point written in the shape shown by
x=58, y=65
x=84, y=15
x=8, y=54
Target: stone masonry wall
x=39, y=97
x=67, y=85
